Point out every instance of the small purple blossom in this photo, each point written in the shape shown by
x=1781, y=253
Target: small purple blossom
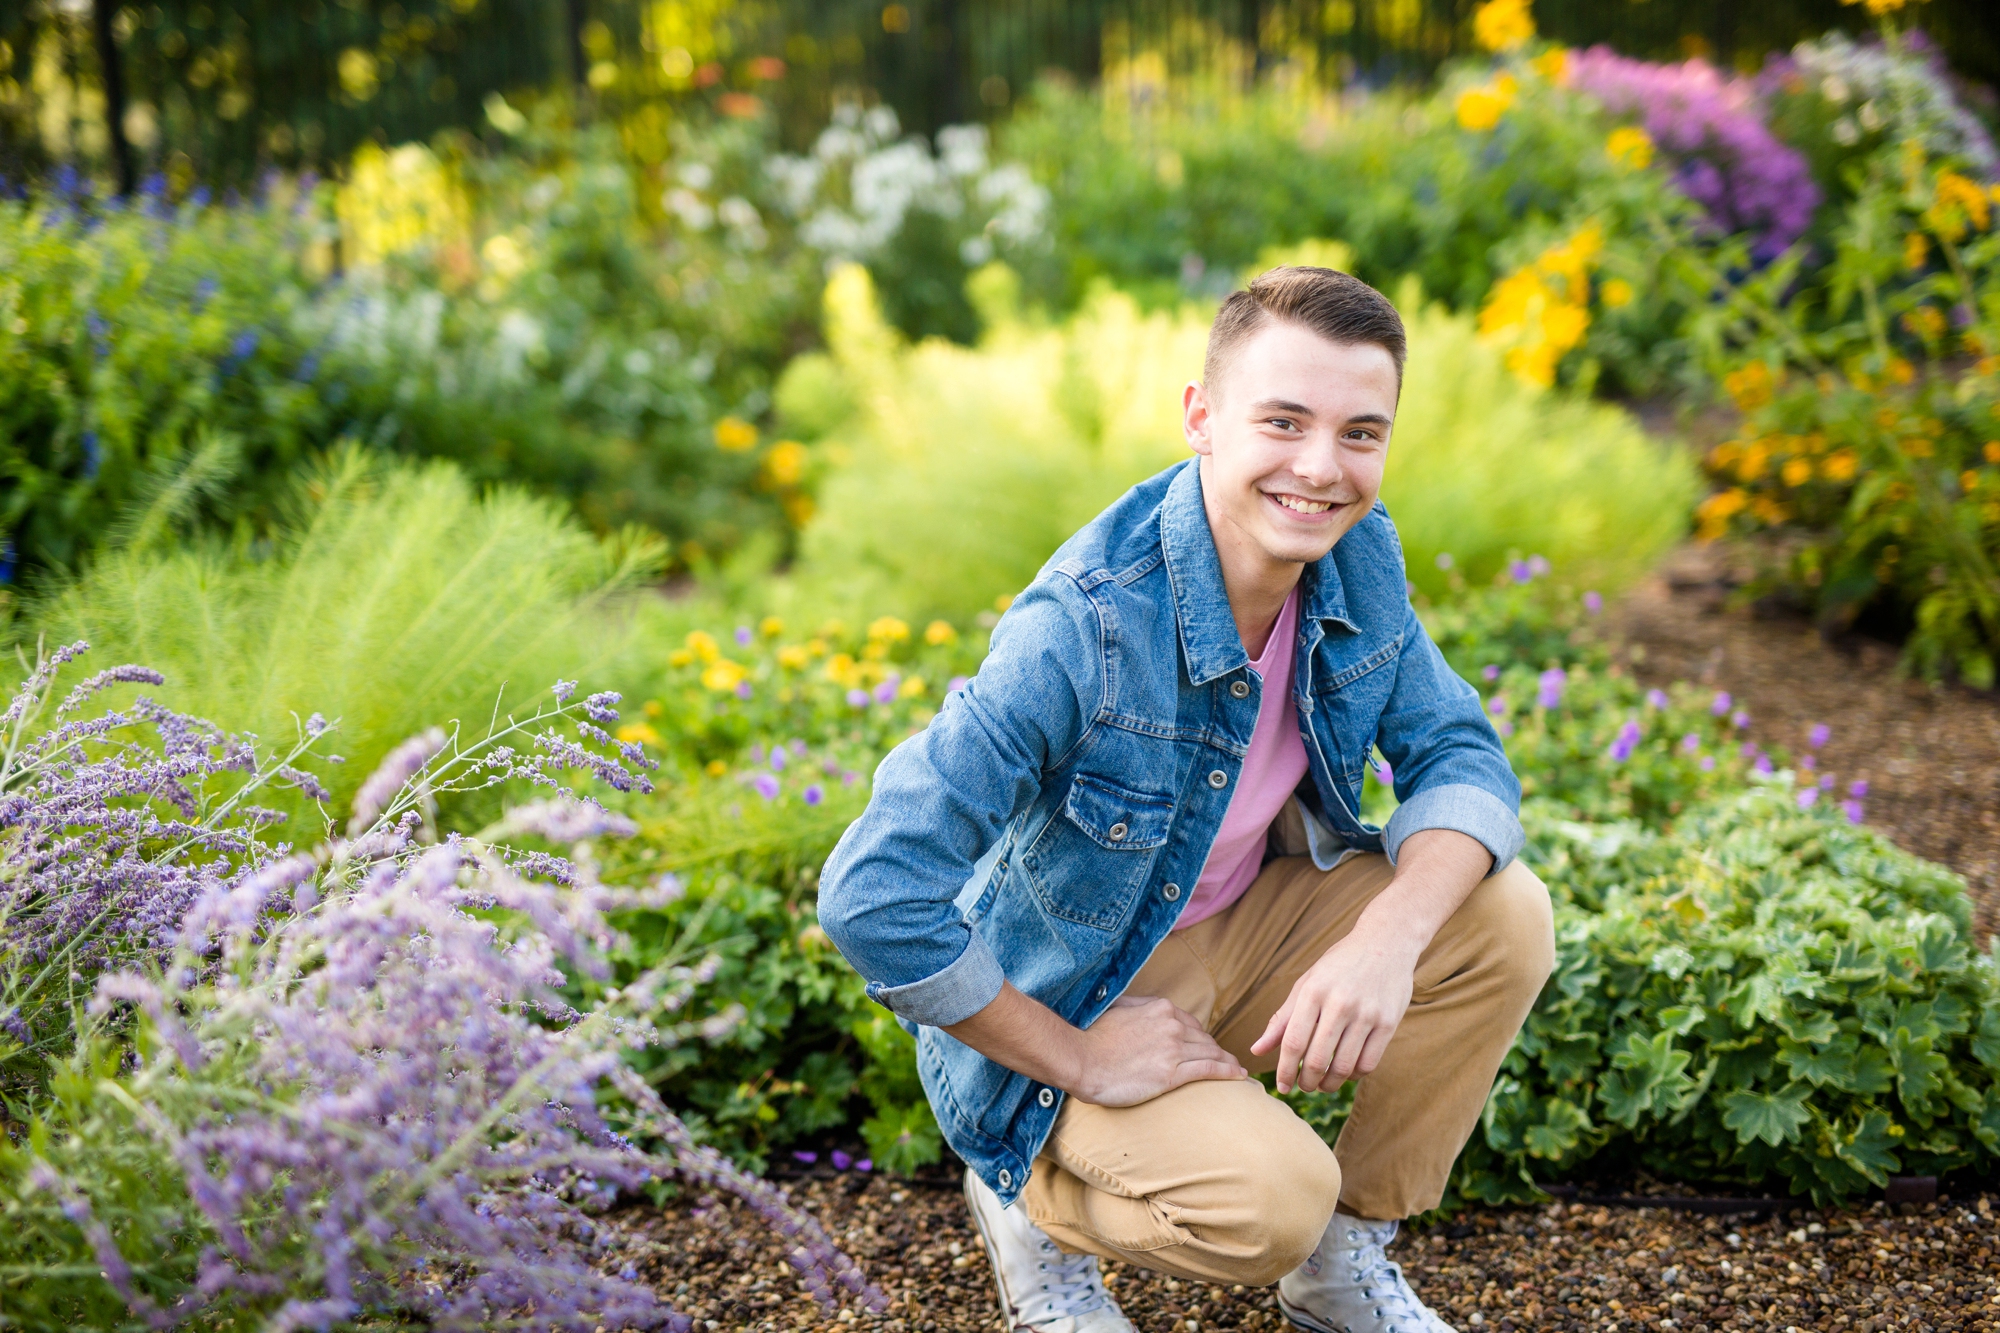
x=1593, y=602
x=807, y=1157
x=1826, y=782
x=1708, y=763
x=865, y=1165
x=1819, y=735
x=743, y=636
x=841, y=1161
x=1690, y=743
x=766, y=786
x=857, y=698
x=1656, y=698
x=1763, y=764
x=602, y=707
x=1385, y=774
x=1444, y=560
x=1490, y=672
x=1739, y=719
x=1497, y=705
x=814, y=794
x=1807, y=797
x=1538, y=565
x=1549, y=691
x=1853, y=809
x=1520, y=571
x=778, y=758
x=955, y=684
x=398, y=767
x=743, y=690
x=1625, y=742
x=1858, y=789
x=1721, y=703
x=885, y=693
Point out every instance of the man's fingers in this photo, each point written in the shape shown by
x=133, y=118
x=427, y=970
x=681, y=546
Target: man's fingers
x=1297, y=1043
x=1319, y=1053
x=1273, y=1029
x=1191, y=1070
x=1371, y=1054
x=1346, y=1057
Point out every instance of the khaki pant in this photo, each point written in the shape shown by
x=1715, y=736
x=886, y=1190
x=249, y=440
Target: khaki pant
x=1219, y=1181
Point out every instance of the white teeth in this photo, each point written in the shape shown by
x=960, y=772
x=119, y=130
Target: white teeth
x=1293, y=502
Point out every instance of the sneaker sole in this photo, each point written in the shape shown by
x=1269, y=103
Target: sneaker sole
x=1300, y=1319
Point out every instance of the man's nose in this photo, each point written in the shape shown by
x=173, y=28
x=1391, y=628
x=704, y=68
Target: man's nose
x=1317, y=463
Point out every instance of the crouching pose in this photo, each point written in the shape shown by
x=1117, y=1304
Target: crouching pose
x=1124, y=868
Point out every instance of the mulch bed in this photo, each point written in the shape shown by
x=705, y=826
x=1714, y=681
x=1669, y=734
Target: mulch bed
x=1931, y=755
x=1563, y=1266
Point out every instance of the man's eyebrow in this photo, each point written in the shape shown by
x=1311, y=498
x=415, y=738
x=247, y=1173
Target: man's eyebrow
x=1282, y=405
x=1370, y=419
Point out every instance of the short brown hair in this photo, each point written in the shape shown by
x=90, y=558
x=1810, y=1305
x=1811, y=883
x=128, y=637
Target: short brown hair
x=1337, y=306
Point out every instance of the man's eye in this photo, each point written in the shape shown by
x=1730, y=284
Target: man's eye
x=1282, y=423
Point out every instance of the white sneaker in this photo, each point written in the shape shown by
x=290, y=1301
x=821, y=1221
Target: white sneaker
x=1041, y=1288
x=1348, y=1285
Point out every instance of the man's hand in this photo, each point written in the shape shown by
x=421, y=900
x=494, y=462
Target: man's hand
x=1342, y=1012
x=1136, y=1050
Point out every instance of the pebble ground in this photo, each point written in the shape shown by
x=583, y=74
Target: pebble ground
x=1564, y=1266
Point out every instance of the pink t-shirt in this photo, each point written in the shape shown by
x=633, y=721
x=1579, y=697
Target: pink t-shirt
x=1271, y=773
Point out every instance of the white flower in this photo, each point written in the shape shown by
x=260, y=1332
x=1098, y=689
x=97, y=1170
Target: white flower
x=686, y=205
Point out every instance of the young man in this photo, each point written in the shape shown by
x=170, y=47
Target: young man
x=1124, y=868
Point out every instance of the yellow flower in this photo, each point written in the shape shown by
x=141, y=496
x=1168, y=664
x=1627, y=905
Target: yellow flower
x=888, y=629
x=1502, y=25
x=1877, y=8
x=1769, y=510
x=1992, y=451
x=843, y=670
x=1916, y=446
x=1751, y=386
x=1926, y=321
x=1916, y=250
x=1630, y=146
x=816, y=647
x=770, y=627
x=723, y=675
x=798, y=507
x=702, y=644
x=653, y=708
x=716, y=768
x=1617, y=293
x=785, y=465
x=638, y=731
x=1715, y=512
x=1902, y=371
x=1540, y=311
x=1755, y=456
x=939, y=633
x=1481, y=108
x=1003, y=601
x=679, y=657
x=735, y=434
x=1969, y=480
x=1958, y=202
x=1553, y=65
x=912, y=688
x=1796, y=471
x=1842, y=464
x=793, y=657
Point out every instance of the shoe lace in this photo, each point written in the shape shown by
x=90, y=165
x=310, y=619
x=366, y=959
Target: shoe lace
x=1380, y=1281
x=1066, y=1284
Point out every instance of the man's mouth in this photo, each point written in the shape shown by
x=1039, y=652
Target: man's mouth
x=1299, y=504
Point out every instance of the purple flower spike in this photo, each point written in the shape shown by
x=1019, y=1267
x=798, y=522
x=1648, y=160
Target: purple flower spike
x=1819, y=735
x=1690, y=743
x=398, y=767
x=1807, y=797
x=1656, y=698
x=841, y=1161
x=1551, y=684
x=807, y=1157
x=815, y=794
x=766, y=785
x=742, y=636
x=857, y=698
x=1853, y=811
x=1859, y=789
x=1593, y=602
x=1491, y=671
x=1721, y=704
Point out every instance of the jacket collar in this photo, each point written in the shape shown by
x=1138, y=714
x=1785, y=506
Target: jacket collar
x=1209, y=642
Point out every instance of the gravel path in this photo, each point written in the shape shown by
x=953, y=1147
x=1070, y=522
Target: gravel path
x=1931, y=755
x=1568, y=1267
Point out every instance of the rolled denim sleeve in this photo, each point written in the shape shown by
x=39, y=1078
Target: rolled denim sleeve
x=943, y=798
x=1451, y=770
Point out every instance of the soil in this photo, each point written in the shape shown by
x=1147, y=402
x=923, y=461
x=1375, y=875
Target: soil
x=1930, y=754
x=1563, y=1266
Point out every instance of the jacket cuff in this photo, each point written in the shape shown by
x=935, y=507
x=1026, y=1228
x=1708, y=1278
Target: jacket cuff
x=1463, y=808
x=952, y=994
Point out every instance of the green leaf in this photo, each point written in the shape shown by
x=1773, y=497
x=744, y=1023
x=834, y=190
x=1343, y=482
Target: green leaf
x=1986, y=1045
x=1776, y=1118
x=1829, y=1065
x=1871, y=1148
x=1645, y=1075
x=1814, y=1028
x=903, y=1138
x=1563, y=1127
x=1918, y=1068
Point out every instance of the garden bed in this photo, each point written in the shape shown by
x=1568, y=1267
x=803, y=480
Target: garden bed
x=1563, y=1266
x=1930, y=754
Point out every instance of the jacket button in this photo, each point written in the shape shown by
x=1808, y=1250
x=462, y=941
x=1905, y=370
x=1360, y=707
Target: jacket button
x=1116, y=832
x=1046, y=1098
x=1006, y=1179
x=1218, y=779
x=1102, y=991
x=1241, y=689
x=1172, y=893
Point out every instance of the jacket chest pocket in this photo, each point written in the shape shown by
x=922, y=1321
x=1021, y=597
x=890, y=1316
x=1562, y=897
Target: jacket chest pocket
x=1091, y=861
x=1350, y=700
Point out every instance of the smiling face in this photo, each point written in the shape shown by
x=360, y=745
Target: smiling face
x=1293, y=433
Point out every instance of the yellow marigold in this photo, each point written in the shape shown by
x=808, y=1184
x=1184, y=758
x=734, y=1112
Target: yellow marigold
x=716, y=768
x=1502, y=25
x=1724, y=455
x=770, y=627
x=785, y=465
x=794, y=657
x=816, y=646
x=1992, y=451
x=1916, y=250
x=723, y=675
x=843, y=670
x=638, y=731
x=1715, y=512
x=888, y=629
x=1751, y=386
x=1617, y=293
x=1630, y=146
x=1902, y=371
x=911, y=688
x=1481, y=108
x=1969, y=480
x=1755, y=455
x=1769, y=510
x=939, y=633
x=1957, y=204
x=702, y=644
x=1553, y=65
x=1796, y=471
x=1842, y=464
x=735, y=434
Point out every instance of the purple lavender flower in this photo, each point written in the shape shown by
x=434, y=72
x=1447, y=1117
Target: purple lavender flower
x=1690, y=743
x=857, y=698
x=601, y=707
x=885, y=693
x=1721, y=703
x=1549, y=691
x=397, y=768
x=1656, y=698
x=1490, y=672
x=766, y=786
x=814, y=794
x=1819, y=735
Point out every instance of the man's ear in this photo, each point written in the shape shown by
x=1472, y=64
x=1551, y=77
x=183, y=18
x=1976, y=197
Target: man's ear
x=1197, y=418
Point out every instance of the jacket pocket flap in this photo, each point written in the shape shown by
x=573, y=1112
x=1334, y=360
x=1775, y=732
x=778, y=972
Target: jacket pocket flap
x=1117, y=819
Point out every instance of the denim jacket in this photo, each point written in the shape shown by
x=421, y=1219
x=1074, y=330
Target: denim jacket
x=1049, y=823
